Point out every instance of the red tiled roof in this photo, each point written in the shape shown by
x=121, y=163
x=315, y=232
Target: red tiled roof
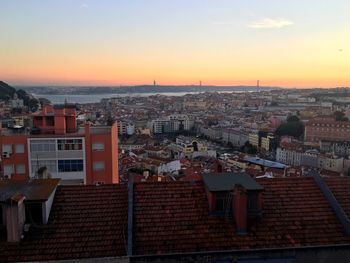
x=173, y=217
x=340, y=188
x=169, y=217
x=85, y=222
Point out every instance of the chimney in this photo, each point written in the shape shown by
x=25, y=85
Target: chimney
x=145, y=174
x=15, y=217
x=240, y=209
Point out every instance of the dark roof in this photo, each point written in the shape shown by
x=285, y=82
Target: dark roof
x=33, y=190
x=227, y=181
x=85, y=222
x=172, y=217
x=265, y=162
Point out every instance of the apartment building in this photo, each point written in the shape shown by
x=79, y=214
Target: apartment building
x=327, y=129
x=56, y=148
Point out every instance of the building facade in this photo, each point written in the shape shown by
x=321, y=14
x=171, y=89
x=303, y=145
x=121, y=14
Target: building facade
x=327, y=129
x=57, y=148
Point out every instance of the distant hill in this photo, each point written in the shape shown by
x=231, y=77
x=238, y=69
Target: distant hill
x=66, y=90
x=7, y=92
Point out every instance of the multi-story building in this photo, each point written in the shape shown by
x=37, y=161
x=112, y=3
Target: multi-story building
x=266, y=142
x=327, y=129
x=236, y=138
x=57, y=148
x=289, y=156
x=125, y=128
x=338, y=148
x=261, y=140
x=254, y=139
x=212, y=133
x=170, y=124
x=311, y=158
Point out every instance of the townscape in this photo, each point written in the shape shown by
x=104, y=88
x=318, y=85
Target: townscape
x=168, y=146
x=179, y=131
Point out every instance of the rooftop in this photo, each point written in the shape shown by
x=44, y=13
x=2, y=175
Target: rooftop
x=227, y=181
x=85, y=222
x=33, y=190
x=172, y=217
x=264, y=162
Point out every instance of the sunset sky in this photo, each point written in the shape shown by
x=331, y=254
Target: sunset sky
x=291, y=43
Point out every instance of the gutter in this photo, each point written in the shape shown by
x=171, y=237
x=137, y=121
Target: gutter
x=244, y=251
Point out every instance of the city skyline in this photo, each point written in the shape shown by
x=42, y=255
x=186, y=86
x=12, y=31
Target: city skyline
x=289, y=44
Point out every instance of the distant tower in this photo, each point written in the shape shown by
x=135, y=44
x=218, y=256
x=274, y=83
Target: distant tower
x=154, y=83
x=258, y=85
x=200, y=83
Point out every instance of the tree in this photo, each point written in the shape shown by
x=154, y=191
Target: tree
x=293, y=127
x=33, y=104
x=340, y=116
x=249, y=148
x=293, y=118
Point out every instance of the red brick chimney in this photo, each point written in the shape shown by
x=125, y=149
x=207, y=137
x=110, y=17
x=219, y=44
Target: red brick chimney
x=240, y=209
x=15, y=217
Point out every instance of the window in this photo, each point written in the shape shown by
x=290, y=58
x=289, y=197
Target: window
x=51, y=165
x=42, y=146
x=8, y=169
x=98, y=146
x=70, y=144
x=20, y=169
x=19, y=148
x=98, y=166
x=70, y=166
x=252, y=201
x=7, y=148
x=34, y=213
x=221, y=199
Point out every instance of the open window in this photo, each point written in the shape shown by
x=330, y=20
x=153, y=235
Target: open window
x=34, y=213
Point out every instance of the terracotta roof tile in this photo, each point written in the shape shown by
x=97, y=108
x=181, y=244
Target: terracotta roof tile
x=85, y=222
x=173, y=217
x=169, y=217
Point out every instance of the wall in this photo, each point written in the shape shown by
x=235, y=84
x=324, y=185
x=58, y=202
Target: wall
x=16, y=158
x=47, y=207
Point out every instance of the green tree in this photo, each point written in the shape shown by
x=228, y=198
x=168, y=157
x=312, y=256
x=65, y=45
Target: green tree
x=293, y=127
x=340, y=116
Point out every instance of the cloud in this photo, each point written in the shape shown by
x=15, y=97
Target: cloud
x=220, y=23
x=271, y=23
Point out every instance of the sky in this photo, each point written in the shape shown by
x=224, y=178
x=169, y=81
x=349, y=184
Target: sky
x=289, y=43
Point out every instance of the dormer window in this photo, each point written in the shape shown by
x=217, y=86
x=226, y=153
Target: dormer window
x=223, y=201
x=236, y=195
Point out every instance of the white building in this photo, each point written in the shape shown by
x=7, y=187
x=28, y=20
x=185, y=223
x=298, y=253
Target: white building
x=236, y=138
x=170, y=124
x=64, y=158
x=288, y=156
x=125, y=128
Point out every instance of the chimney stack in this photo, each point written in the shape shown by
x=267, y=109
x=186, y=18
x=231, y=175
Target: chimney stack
x=240, y=209
x=15, y=217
